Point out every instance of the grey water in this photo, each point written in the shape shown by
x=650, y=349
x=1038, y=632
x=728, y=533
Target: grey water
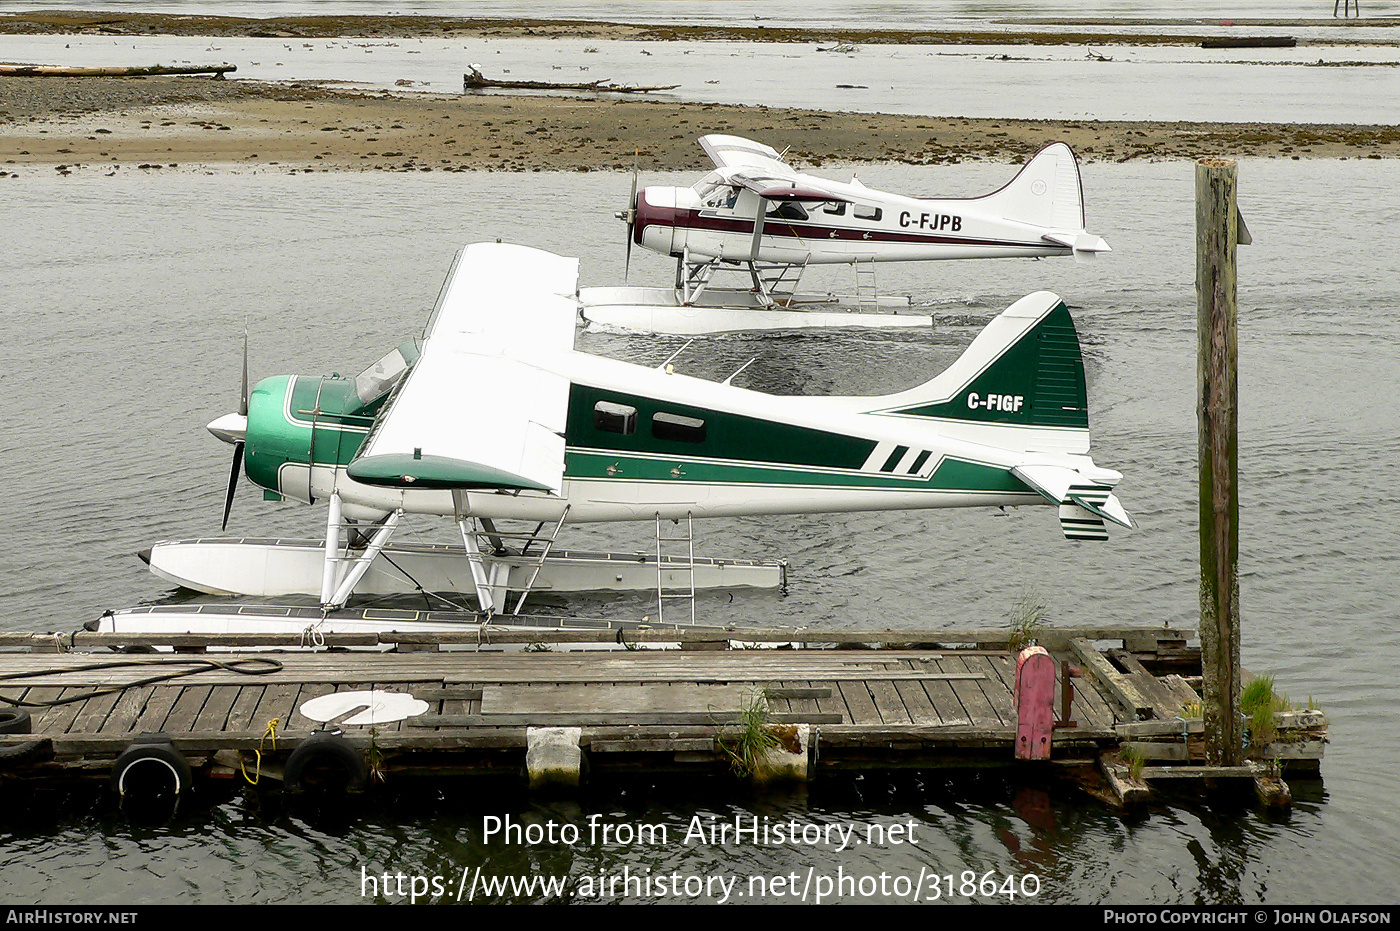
x=122, y=303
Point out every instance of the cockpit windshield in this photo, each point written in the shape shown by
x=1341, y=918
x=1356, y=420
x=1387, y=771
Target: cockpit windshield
x=707, y=184
x=380, y=378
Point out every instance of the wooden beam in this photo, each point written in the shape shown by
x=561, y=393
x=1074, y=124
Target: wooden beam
x=1114, y=682
x=1052, y=639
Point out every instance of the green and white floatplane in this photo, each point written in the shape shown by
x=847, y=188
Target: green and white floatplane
x=582, y=438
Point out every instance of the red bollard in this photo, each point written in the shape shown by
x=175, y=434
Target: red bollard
x=1035, y=703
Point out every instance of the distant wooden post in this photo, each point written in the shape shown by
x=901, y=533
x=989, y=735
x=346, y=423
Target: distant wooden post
x=1217, y=233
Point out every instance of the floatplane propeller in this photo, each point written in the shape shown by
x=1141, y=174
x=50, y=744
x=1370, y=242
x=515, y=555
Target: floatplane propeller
x=233, y=429
x=629, y=216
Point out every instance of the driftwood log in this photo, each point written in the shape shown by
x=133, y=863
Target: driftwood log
x=475, y=80
x=1250, y=42
x=67, y=71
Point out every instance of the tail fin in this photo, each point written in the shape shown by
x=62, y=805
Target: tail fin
x=1020, y=386
x=1047, y=192
x=1024, y=370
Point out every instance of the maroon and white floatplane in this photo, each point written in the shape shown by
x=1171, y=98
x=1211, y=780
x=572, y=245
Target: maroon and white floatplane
x=757, y=215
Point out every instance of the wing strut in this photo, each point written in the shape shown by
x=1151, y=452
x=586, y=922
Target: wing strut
x=342, y=570
x=758, y=219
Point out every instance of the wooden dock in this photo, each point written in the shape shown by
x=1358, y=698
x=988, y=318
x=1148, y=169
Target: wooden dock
x=838, y=701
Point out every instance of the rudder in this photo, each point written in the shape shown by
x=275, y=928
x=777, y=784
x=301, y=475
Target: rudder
x=1047, y=191
x=1024, y=369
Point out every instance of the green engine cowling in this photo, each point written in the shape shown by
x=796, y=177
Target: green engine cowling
x=297, y=423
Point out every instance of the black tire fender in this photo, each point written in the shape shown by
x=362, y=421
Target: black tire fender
x=15, y=756
x=151, y=765
x=15, y=721
x=326, y=761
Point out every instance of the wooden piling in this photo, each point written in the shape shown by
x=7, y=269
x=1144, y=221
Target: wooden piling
x=1217, y=233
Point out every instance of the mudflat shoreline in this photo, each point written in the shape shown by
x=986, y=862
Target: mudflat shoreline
x=163, y=121
x=159, y=122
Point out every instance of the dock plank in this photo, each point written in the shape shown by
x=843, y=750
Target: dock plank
x=61, y=721
x=214, y=715
x=276, y=704
x=130, y=704
x=832, y=703
x=888, y=703
x=14, y=693
x=609, y=698
x=970, y=694
x=1091, y=705
x=186, y=708
x=916, y=701
x=93, y=714
x=859, y=701
x=945, y=701
x=152, y=719
x=296, y=721
x=999, y=684
x=241, y=713
x=42, y=718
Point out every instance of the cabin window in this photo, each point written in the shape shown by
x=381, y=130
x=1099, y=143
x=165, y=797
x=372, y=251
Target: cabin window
x=835, y=208
x=862, y=212
x=614, y=418
x=787, y=210
x=666, y=426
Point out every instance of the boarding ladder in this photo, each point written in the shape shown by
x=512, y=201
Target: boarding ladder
x=867, y=293
x=778, y=283
x=682, y=563
x=484, y=536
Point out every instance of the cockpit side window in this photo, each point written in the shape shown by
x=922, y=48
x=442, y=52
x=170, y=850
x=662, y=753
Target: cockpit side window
x=788, y=210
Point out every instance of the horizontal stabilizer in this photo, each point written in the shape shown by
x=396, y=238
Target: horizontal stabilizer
x=1085, y=246
x=1079, y=524
x=1084, y=505
x=1051, y=481
x=1102, y=503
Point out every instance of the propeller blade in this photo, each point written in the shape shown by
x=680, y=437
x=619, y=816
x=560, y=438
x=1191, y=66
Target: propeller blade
x=243, y=394
x=631, y=219
x=232, y=481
